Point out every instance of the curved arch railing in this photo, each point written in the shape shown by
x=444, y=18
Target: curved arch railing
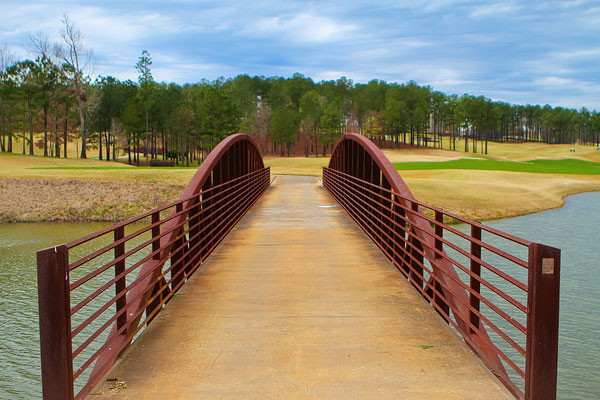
x=498, y=291
x=92, y=308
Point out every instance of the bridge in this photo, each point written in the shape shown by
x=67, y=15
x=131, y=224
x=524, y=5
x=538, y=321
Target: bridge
x=342, y=287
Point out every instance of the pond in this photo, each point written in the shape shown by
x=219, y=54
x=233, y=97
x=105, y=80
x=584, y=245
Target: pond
x=573, y=228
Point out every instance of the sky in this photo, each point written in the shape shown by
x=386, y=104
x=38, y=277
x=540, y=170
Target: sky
x=522, y=52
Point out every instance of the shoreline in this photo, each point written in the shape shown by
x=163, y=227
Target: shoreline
x=563, y=202
x=73, y=200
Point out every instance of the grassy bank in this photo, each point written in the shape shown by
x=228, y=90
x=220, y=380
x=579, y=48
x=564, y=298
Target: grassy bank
x=25, y=200
x=502, y=184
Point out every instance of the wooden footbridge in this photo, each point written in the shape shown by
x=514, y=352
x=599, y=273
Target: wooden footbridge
x=258, y=287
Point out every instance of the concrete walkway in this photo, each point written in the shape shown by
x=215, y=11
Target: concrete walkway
x=298, y=303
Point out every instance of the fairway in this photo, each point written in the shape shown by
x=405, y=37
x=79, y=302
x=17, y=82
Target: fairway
x=563, y=167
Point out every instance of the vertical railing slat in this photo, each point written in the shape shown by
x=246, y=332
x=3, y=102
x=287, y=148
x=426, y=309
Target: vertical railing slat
x=121, y=283
x=474, y=282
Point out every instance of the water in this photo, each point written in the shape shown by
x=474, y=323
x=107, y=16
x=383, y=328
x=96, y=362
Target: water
x=573, y=228
x=20, y=376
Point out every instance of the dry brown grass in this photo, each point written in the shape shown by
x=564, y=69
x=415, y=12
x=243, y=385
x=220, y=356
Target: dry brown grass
x=72, y=200
x=484, y=195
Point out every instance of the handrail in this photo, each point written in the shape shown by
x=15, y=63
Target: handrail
x=146, y=266
x=504, y=306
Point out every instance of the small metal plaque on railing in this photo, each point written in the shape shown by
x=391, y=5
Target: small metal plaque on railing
x=547, y=266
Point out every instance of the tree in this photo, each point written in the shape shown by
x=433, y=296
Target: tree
x=23, y=76
x=311, y=109
x=181, y=125
x=332, y=122
x=132, y=118
x=216, y=114
x=147, y=88
x=283, y=126
x=77, y=60
x=7, y=102
x=47, y=75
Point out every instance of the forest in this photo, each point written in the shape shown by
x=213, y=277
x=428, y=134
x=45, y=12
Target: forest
x=50, y=100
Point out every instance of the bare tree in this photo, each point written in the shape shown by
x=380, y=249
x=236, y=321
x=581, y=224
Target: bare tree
x=77, y=61
x=6, y=57
x=39, y=45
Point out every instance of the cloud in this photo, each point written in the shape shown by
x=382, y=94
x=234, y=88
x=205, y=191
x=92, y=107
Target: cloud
x=493, y=10
x=301, y=28
x=519, y=51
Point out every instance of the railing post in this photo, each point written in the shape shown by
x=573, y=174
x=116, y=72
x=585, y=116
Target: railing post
x=55, y=323
x=177, y=260
x=417, y=261
x=121, y=282
x=542, y=322
x=475, y=284
x=439, y=233
x=155, y=235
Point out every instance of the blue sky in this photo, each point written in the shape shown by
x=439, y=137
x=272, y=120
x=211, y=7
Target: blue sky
x=537, y=52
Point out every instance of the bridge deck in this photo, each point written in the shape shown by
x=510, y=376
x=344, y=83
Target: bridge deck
x=297, y=302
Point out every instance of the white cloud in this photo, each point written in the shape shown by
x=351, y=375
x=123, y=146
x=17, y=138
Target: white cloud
x=493, y=10
x=301, y=28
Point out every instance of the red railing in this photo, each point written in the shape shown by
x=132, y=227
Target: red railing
x=92, y=304
x=498, y=291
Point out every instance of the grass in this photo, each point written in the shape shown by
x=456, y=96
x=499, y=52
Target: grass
x=73, y=149
x=76, y=200
x=538, y=166
x=520, y=151
x=296, y=165
x=513, y=179
x=484, y=195
x=17, y=166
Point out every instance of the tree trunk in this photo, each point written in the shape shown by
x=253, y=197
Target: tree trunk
x=56, y=139
x=66, y=127
x=45, y=130
x=30, y=127
x=82, y=127
x=107, y=142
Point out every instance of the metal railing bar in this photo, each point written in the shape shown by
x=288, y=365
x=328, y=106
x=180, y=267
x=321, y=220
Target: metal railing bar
x=139, y=279
x=489, y=247
x=105, y=231
x=135, y=266
x=113, y=245
x=456, y=264
x=462, y=284
x=460, y=218
x=491, y=268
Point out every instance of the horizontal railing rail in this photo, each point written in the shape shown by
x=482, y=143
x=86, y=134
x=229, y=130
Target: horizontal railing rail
x=498, y=291
x=98, y=292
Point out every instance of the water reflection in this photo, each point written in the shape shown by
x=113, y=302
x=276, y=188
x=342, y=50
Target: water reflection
x=20, y=376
